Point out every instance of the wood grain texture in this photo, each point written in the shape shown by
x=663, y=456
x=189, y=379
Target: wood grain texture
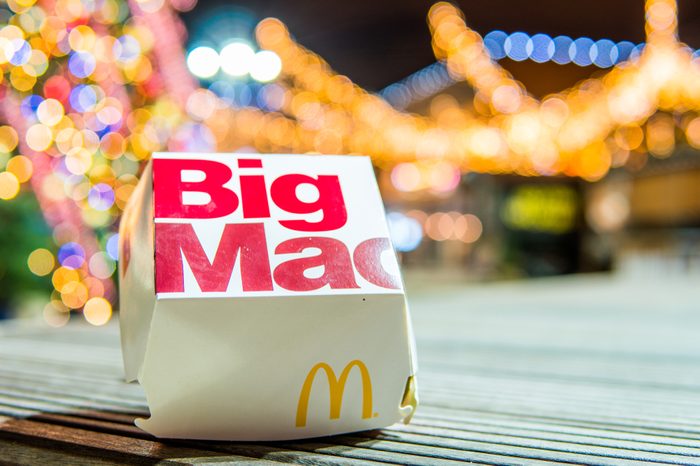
x=594, y=370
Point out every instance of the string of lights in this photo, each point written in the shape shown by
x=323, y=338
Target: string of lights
x=580, y=132
x=418, y=86
x=542, y=48
x=517, y=46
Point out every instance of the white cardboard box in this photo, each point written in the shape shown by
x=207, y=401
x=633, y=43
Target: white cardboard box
x=261, y=298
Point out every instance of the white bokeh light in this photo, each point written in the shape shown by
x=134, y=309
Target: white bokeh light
x=236, y=58
x=203, y=62
x=406, y=232
x=266, y=66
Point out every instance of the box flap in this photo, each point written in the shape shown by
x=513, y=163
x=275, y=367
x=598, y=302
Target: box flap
x=136, y=274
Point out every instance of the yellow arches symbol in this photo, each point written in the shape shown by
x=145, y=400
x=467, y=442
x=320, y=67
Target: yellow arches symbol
x=336, y=389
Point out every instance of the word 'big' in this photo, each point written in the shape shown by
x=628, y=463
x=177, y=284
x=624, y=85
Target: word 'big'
x=170, y=186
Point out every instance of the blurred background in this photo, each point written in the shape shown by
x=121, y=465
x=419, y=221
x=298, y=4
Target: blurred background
x=511, y=140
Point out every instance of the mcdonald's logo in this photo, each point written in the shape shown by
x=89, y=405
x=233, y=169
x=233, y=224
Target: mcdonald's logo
x=337, y=389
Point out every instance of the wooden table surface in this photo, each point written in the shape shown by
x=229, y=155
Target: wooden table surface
x=595, y=370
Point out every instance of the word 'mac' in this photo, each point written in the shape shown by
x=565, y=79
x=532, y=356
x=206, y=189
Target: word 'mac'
x=250, y=224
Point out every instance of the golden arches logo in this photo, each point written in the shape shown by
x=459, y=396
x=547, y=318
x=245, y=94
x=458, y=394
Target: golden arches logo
x=337, y=389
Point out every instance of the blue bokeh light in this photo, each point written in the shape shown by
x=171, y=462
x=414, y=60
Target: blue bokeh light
x=518, y=46
x=542, y=48
x=606, y=53
x=22, y=51
x=624, y=49
x=29, y=105
x=636, y=51
x=562, y=45
x=81, y=64
x=71, y=255
x=112, y=246
x=83, y=98
x=581, y=51
x=494, y=41
x=398, y=95
x=271, y=97
x=101, y=196
x=406, y=232
x=126, y=49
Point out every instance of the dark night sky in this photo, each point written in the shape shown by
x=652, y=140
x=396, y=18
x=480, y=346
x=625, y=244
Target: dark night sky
x=377, y=42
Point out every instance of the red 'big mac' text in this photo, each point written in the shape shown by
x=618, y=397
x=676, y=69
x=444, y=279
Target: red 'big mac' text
x=247, y=243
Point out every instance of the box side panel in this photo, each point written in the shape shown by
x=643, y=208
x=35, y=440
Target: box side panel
x=276, y=368
x=136, y=274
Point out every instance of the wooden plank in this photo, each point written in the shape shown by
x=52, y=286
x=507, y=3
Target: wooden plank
x=18, y=452
x=509, y=374
x=431, y=413
x=98, y=444
x=560, y=432
x=530, y=448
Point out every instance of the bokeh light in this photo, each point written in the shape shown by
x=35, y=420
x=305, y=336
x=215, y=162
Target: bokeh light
x=20, y=51
x=101, y=265
x=562, y=47
x=542, y=48
x=97, y=311
x=50, y=112
x=21, y=167
x=9, y=185
x=74, y=294
x=41, y=262
x=692, y=132
x=126, y=49
x=203, y=62
x=83, y=97
x=55, y=316
x=406, y=232
x=39, y=137
x=494, y=42
x=237, y=58
x=406, y=177
x=444, y=177
x=101, y=196
x=71, y=255
x=8, y=139
x=82, y=64
x=581, y=51
x=518, y=46
x=112, y=247
x=266, y=66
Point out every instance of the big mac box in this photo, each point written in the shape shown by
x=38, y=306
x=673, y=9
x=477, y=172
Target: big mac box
x=261, y=298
